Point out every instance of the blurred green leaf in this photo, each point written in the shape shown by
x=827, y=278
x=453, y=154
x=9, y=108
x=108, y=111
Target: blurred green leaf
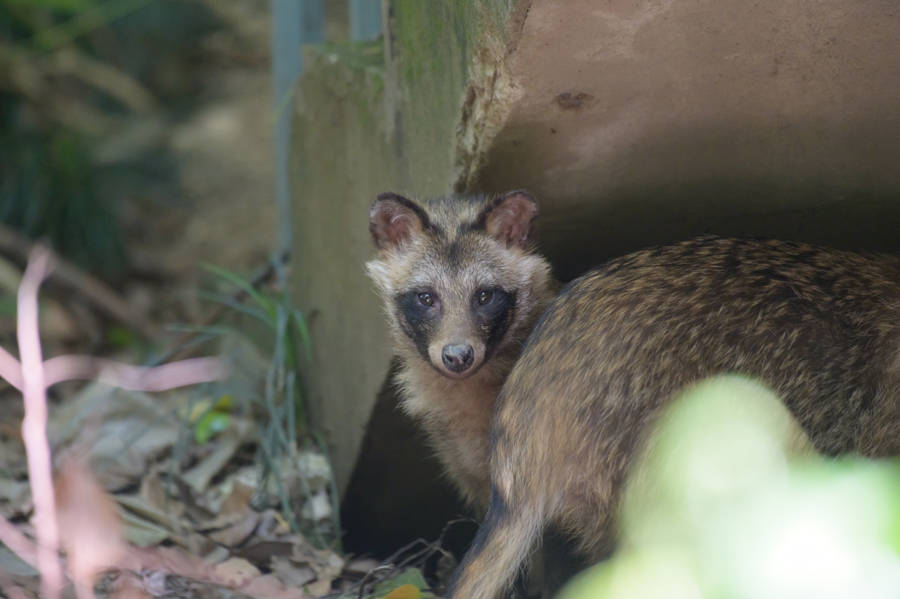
x=120, y=337
x=637, y=575
x=8, y=305
x=729, y=502
x=303, y=331
x=410, y=576
x=211, y=424
x=720, y=440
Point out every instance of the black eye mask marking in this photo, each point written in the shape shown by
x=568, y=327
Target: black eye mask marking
x=417, y=320
x=493, y=317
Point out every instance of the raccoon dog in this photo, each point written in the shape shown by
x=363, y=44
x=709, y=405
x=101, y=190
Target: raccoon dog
x=821, y=327
x=462, y=288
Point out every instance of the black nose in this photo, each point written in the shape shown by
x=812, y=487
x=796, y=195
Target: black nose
x=458, y=356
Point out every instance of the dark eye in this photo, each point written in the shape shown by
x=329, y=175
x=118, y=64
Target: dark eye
x=426, y=299
x=485, y=296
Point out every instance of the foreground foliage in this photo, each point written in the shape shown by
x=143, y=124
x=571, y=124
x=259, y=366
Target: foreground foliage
x=731, y=502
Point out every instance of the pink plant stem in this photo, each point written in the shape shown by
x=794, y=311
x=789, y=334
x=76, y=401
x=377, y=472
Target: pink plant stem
x=34, y=427
x=135, y=378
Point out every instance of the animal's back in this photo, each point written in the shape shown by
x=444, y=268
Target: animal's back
x=822, y=327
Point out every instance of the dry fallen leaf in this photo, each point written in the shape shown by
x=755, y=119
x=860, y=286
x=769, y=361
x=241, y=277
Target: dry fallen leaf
x=127, y=586
x=269, y=587
x=140, y=531
x=319, y=587
x=124, y=431
x=199, y=476
x=237, y=533
x=235, y=572
x=273, y=525
x=153, y=492
x=169, y=559
x=290, y=573
x=57, y=323
x=238, y=500
x=361, y=566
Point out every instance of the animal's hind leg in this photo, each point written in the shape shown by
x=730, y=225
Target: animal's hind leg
x=504, y=540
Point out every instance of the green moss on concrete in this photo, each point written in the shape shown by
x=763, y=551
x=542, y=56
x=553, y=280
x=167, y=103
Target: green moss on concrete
x=433, y=45
x=354, y=55
x=341, y=158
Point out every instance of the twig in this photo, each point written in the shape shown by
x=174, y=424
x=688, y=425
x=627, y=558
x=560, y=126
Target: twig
x=388, y=567
x=34, y=427
x=371, y=574
x=94, y=290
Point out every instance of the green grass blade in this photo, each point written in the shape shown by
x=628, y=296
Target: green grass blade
x=211, y=330
x=241, y=283
x=303, y=331
x=237, y=306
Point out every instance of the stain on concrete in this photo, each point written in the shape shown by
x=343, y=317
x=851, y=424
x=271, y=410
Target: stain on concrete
x=573, y=100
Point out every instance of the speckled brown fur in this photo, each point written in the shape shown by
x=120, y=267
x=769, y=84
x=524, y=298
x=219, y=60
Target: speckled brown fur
x=821, y=327
x=452, y=247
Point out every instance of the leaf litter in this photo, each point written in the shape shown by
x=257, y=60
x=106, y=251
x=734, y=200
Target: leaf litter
x=160, y=515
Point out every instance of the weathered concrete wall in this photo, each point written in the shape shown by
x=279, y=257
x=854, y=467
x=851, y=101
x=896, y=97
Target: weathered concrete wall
x=363, y=126
x=341, y=155
x=641, y=122
x=633, y=123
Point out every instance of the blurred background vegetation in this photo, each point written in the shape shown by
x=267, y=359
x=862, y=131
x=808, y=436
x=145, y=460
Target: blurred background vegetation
x=113, y=111
x=74, y=74
x=136, y=139
x=118, y=123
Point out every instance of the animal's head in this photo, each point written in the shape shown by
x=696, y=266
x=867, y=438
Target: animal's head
x=458, y=275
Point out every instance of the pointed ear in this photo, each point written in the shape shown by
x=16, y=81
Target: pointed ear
x=394, y=219
x=509, y=218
